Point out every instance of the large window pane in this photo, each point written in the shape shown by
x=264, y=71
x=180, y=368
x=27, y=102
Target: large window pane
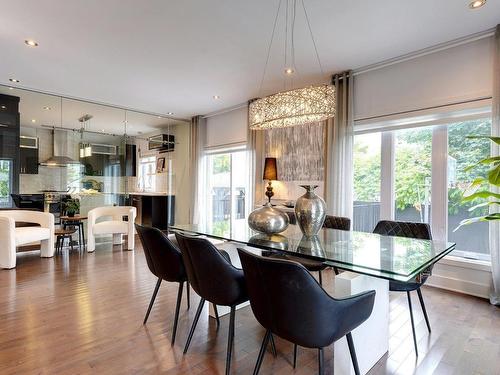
x=472, y=240
x=413, y=174
x=366, y=211
x=219, y=190
x=5, y=182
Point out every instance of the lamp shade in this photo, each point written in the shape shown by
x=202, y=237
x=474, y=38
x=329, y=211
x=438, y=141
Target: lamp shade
x=270, y=169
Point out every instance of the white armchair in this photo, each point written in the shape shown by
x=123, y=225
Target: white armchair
x=116, y=226
x=12, y=237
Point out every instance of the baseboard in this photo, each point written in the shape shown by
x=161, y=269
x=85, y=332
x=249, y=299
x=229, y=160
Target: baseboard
x=459, y=285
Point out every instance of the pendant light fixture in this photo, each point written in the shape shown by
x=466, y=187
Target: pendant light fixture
x=295, y=106
x=85, y=147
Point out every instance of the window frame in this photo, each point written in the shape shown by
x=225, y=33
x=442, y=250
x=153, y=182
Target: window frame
x=439, y=173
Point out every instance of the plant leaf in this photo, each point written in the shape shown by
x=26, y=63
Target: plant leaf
x=490, y=217
x=494, y=159
x=494, y=176
x=484, y=204
x=494, y=139
x=481, y=194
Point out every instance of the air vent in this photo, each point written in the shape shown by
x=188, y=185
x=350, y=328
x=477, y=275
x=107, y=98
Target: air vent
x=101, y=149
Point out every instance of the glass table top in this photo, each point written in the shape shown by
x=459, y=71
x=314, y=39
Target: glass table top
x=393, y=258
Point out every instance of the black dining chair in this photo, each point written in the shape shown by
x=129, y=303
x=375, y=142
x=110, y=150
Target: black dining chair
x=331, y=222
x=410, y=230
x=165, y=262
x=215, y=279
x=288, y=302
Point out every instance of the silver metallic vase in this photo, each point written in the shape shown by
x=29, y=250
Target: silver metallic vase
x=268, y=220
x=310, y=211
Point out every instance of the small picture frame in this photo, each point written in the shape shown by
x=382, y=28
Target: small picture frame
x=160, y=165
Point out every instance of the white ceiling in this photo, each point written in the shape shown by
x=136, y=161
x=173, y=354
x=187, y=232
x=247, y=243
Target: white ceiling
x=163, y=56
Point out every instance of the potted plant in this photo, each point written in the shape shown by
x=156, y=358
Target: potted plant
x=72, y=206
x=474, y=191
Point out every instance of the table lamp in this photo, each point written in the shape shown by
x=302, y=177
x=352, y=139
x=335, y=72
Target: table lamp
x=270, y=173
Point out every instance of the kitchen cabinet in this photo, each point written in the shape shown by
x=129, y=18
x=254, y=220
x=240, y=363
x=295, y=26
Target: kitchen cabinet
x=154, y=210
x=28, y=161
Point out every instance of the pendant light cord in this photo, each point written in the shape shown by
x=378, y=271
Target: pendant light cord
x=269, y=48
x=312, y=38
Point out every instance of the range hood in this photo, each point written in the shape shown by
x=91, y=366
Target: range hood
x=58, y=159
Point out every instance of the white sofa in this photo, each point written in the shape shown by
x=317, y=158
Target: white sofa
x=11, y=237
x=115, y=226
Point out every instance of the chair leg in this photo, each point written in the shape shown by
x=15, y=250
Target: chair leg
x=320, y=278
x=188, y=288
x=412, y=324
x=230, y=339
x=153, y=297
x=177, y=307
x=419, y=292
x=273, y=345
x=294, y=355
x=262, y=351
x=216, y=314
x=195, y=322
x=354, y=358
x=336, y=270
x=321, y=365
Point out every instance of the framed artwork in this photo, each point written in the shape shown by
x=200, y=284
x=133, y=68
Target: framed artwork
x=160, y=165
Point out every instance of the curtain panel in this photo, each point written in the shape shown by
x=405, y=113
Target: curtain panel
x=255, y=154
x=339, y=149
x=196, y=142
x=495, y=131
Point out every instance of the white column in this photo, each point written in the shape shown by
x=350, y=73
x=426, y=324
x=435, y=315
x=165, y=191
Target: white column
x=371, y=339
x=439, y=187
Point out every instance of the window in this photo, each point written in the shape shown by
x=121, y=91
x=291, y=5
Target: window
x=147, y=177
x=366, y=212
x=419, y=174
x=5, y=182
x=226, y=188
x=413, y=151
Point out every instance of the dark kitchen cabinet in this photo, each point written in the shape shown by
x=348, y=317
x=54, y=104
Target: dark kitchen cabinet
x=129, y=161
x=9, y=142
x=154, y=210
x=28, y=160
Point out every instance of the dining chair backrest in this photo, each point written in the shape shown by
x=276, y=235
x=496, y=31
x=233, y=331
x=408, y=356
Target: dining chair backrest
x=337, y=222
x=289, y=302
x=210, y=274
x=420, y=231
x=163, y=257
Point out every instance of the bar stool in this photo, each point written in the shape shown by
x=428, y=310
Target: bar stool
x=61, y=234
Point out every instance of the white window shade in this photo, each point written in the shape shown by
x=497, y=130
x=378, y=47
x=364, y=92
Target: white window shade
x=455, y=75
x=227, y=129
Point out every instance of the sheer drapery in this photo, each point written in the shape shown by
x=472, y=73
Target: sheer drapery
x=255, y=152
x=197, y=136
x=495, y=131
x=339, y=150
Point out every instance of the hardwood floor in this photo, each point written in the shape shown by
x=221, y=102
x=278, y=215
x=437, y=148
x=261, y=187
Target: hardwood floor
x=83, y=313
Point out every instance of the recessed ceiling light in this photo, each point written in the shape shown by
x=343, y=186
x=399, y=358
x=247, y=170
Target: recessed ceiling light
x=14, y=80
x=216, y=97
x=476, y=4
x=47, y=108
x=158, y=116
x=170, y=113
x=33, y=120
x=3, y=107
x=102, y=130
x=11, y=88
x=125, y=121
x=31, y=43
x=289, y=71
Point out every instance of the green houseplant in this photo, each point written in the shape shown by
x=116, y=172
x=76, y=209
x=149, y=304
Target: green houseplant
x=72, y=206
x=476, y=191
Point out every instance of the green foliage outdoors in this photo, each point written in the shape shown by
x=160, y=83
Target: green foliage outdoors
x=413, y=165
x=4, y=179
x=221, y=164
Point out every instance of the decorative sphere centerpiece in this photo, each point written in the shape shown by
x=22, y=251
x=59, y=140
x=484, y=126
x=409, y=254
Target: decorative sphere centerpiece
x=310, y=211
x=268, y=220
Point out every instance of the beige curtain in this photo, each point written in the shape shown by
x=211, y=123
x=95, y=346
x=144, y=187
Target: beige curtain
x=197, y=139
x=339, y=149
x=256, y=152
x=495, y=131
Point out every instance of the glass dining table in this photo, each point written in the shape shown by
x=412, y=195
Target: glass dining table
x=371, y=262
x=387, y=257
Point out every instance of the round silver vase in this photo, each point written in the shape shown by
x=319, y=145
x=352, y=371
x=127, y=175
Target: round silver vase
x=310, y=211
x=268, y=220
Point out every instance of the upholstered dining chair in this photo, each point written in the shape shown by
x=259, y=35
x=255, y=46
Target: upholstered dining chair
x=288, y=301
x=214, y=279
x=164, y=261
x=411, y=230
x=331, y=222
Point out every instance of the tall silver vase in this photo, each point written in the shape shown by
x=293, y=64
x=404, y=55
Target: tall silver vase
x=310, y=211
